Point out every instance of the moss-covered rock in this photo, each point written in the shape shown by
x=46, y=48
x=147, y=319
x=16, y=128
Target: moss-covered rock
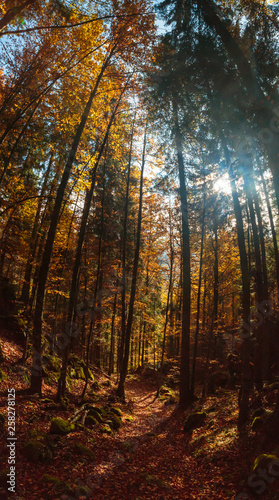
x=59, y=486
x=258, y=413
x=83, y=491
x=117, y=411
x=90, y=421
x=95, y=414
x=274, y=386
x=51, y=363
x=61, y=427
x=80, y=449
x=263, y=461
x=257, y=423
x=105, y=429
x=114, y=421
x=36, y=451
x=194, y=420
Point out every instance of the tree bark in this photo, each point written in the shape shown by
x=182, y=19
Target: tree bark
x=199, y=294
x=246, y=383
x=185, y=393
x=124, y=364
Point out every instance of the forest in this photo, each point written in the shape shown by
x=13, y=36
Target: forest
x=139, y=260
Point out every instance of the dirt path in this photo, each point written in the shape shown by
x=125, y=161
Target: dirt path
x=149, y=457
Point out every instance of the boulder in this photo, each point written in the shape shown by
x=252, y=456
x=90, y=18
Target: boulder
x=194, y=420
x=61, y=427
x=36, y=451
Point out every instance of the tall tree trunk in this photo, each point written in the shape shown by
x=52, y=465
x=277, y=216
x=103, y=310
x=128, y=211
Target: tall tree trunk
x=36, y=376
x=272, y=226
x=124, y=364
x=199, y=293
x=185, y=393
x=167, y=310
x=112, y=334
x=124, y=243
x=246, y=382
x=33, y=240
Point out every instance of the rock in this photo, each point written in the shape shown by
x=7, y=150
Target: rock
x=257, y=423
x=258, y=413
x=117, y=411
x=36, y=451
x=90, y=421
x=194, y=420
x=93, y=413
x=61, y=427
x=105, y=429
x=115, y=420
x=59, y=486
x=80, y=449
x=263, y=461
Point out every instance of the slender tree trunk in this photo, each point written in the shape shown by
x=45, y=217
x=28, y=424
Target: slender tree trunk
x=199, y=295
x=112, y=334
x=124, y=243
x=167, y=311
x=272, y=226
x=246, y=382
x=33, y=241
x=124, y=367
x=185, y=393
x=36, y=376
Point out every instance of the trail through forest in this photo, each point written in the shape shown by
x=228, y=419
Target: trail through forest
x=149, y=456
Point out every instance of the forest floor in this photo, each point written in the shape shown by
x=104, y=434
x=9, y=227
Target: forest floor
x=149, y=457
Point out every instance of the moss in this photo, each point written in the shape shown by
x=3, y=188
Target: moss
x=194, y=420
x=61, y=427
x=51, y=363
x=116, y=421
x=258, y=413
x=59, y=486
x=93, y=413
x=274, y=386
x=105, y=429
x=117, y=411
x=263, y=460
x=83, y=491
x=106, y=383
x=171, y=400
x=36, y=451
x=82, y=450
x=257, y=423
x=3, y=375
x=90, y=421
